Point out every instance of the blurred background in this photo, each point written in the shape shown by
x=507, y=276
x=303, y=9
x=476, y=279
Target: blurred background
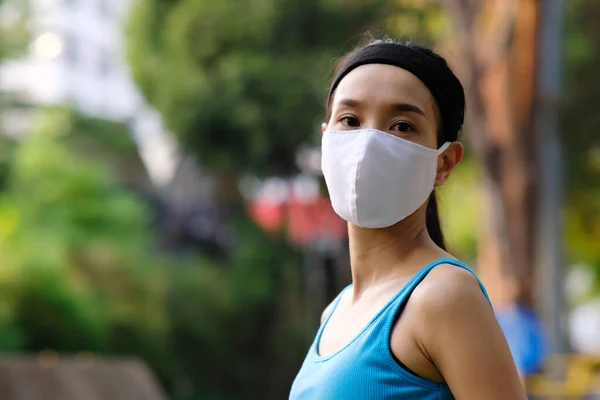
x=165, y=231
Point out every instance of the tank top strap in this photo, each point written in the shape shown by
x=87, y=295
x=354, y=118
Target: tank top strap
x=403, y=295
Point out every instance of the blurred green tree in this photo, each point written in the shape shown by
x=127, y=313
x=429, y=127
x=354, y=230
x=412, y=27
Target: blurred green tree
x=77, y=275
x=243, y=83
x=14, y=29
x=239, y=328
x=580, y=124
x=106, y=142
x=75, y=267
x=14, y=36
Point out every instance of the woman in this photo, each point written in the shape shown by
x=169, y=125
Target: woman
x=415, y=323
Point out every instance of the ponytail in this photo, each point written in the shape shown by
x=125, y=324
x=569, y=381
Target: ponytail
x=432, y=221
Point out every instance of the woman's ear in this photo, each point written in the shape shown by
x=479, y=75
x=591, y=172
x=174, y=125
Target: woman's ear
x=447, y=161
x=323, y=127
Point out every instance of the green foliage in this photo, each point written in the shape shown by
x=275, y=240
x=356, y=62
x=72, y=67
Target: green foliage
x=580, y=123
x=461, y=202
x=5, y=150
x=109, y=135
x=73, y=248
x=581, y=87
x=15, y=32
x=235, y=324
x=243, y=83
x=421, y=21
x=87, y=134
x=77, y=276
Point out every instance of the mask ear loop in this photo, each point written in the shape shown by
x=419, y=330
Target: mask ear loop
x=443, y=148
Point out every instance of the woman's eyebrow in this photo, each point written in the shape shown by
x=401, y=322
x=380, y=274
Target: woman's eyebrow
x=405, y=107
x=349, y=103
x=401, y=107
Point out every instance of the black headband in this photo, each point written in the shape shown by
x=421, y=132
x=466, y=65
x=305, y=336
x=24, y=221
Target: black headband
x=433, y=71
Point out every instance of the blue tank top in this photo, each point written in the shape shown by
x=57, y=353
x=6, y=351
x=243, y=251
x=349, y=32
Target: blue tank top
x=366, y=369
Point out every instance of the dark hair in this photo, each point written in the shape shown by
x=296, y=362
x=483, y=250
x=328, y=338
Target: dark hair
x=434, y=72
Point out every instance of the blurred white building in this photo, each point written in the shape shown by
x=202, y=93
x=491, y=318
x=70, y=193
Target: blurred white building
x=77, y=56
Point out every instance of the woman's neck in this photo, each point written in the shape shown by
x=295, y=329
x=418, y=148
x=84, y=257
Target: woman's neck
x=376, y=254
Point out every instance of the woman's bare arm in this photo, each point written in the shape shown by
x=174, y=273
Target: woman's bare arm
x=464, y=340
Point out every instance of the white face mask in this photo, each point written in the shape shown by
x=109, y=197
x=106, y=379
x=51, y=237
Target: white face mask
x=376, y=179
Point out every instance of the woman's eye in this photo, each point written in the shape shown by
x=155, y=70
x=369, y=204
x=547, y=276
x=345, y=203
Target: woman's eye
x=403, y=127
x=350, y=122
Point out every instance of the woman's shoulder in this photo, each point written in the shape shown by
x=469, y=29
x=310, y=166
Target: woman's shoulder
x=446, y=291
x=456, y=329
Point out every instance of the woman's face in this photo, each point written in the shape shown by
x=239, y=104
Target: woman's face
x=392, y=100
x=386, y=98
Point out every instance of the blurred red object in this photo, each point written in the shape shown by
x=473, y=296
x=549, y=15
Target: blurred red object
x=305, y=222
x=267, y=214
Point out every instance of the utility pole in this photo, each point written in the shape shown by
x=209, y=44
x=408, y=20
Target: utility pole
x=550, y=245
